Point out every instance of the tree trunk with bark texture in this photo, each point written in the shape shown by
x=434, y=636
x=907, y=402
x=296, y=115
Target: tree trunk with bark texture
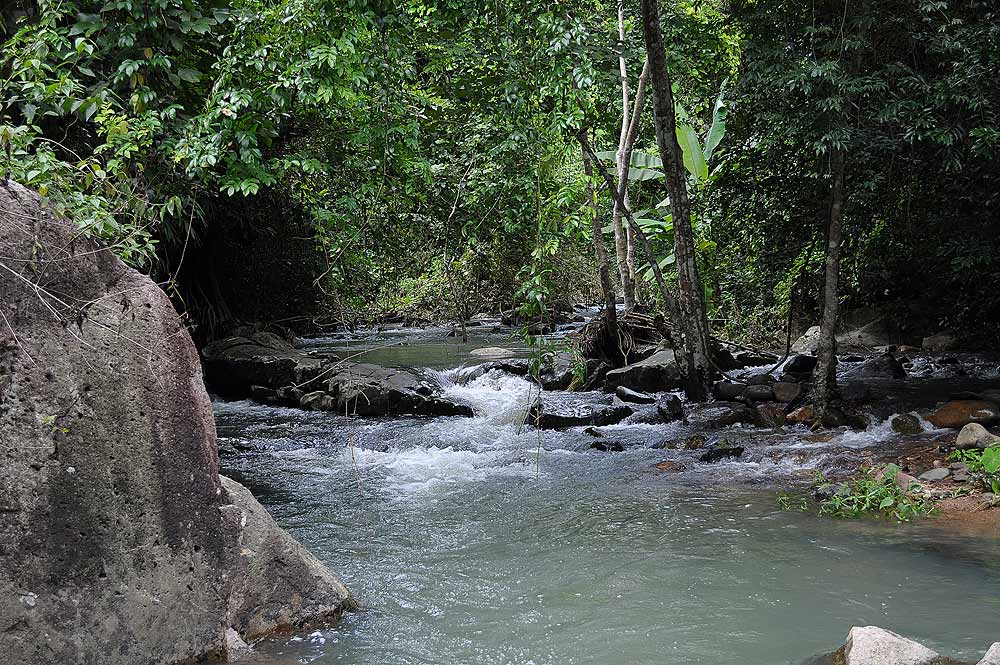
x=600, y=251
x=825, y=374
x=699, y=370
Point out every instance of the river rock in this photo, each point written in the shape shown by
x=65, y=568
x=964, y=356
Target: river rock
x=940, y=342
x=669, y=466
x=555, y=415
x=875, y=646
x=278, y=585
x=785, y=391
x=906, y=424
x=492, y=352
x=670, y=408
x=770, y=414
x=719, y=414
x=934, y=475
x=992, y=656
x=514, y=366
x=628, y=395
x=729, y=390
x=119, y=542
x=607, y=446
x=975, y=435
x=883, y=366
x=234, y=365
x=693, y=442
x=364, y=389
x=758, y=393
x=800, y=364
x=959, y=413
x=718, y=454
x=803, y=415
x=808, y=342
x=657, y=373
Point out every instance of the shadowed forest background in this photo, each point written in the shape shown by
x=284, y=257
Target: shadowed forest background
x=350, y=162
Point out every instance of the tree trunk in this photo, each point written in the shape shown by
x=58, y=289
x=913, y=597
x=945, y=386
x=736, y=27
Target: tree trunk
x=621, y=237
x=825, y=374
x=600, y=251
x=699, y=370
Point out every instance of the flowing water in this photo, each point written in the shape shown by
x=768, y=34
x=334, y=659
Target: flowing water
x=480, y=541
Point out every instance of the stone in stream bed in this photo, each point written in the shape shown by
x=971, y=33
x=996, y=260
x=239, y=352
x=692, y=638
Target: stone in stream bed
x=670, y=408
x=729, y=390
x=906, y=424
x=607, y=446
x=956, y=414
x=629, y=395
x=785, y=391
x=719, y=414
x=657, y=373
x=770, y=414
x=558, y=416
x=758, y=393
x=721, y=453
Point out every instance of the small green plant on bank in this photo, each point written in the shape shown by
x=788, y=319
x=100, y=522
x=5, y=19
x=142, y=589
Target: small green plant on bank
x=877, y=494
x=983, y=466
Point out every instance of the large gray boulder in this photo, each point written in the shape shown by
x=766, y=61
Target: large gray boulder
x=119, y=543
x=870, y=645
x=657, y=373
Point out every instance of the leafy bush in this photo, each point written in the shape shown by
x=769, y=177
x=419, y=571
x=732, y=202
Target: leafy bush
x=875, y=494
x=983, y=465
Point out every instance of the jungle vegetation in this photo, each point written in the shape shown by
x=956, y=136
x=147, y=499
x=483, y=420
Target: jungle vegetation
x=739, y=165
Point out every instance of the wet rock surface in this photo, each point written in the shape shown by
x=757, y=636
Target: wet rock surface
x=120, y=542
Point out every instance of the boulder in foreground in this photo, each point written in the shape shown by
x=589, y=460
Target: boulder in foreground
x=121, y=544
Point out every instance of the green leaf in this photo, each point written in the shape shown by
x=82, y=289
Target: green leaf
x=643, y=174
x=718, y=129
x=694, y=159
x=991, y=460
x=886, y=502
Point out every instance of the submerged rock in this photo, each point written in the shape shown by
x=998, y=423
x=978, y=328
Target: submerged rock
x=120, y=541
x=959, y=413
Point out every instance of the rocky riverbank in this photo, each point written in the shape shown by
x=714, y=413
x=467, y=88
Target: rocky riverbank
x=870, y=645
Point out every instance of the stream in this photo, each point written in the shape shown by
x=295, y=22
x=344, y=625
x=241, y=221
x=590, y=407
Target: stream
x=483, y=541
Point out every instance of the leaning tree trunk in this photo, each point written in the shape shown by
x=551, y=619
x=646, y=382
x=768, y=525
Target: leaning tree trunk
x=694, y=324
x=825, y=374
x=600, y=252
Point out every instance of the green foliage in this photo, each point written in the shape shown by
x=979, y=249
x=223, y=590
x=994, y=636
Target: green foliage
x=983, y=465
x=876, y=494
